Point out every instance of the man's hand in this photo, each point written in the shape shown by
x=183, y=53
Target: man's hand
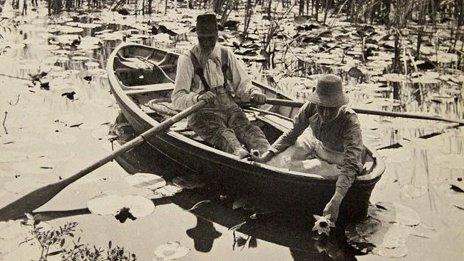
x=333, y=207
x=263, y=158
x=258, y=98
x=208, y=96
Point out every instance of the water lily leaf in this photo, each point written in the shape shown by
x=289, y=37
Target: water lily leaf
x=170, y=251
x=80, y=58
x=406, y=215
x=105, y=204
x=457, y=187
x=92, y=65
x=396, y=252
x=137, y=206
x=168, y=190
x=426, y=80
x=146, y=180
x=91, y=26
x=442, y=57
x=394, y=77
x=396, y=155
x=412, y=191
x=188, y=182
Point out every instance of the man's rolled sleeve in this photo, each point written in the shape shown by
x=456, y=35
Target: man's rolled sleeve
x=241, y=82
x=353, y=150
x=182, y=97
x=300, y=123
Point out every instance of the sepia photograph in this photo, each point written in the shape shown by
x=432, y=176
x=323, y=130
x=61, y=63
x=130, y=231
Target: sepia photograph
x=231, y=130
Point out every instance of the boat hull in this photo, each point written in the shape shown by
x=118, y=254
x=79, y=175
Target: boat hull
x=281, y=188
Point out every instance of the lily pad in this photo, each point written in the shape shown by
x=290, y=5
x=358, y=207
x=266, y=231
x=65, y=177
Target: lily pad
x=80, y=58
x=396, y=252
x=137, y=206
x=170, y=251
x=92, y=65
x=396, y=155
x=168, y=190
x=412, y=191
x=394, y=77
x=146, y=180
x=442, y=57
x=426, y=79
x=402, y=214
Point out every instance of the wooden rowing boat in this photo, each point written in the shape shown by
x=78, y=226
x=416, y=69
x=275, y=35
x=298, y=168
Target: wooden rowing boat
x=141, y=79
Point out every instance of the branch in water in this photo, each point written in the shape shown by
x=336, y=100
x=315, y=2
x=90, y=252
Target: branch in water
x=4, y=120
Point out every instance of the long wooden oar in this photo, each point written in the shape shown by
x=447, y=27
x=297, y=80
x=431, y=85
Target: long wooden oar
x=38, y=197
x=371, y=112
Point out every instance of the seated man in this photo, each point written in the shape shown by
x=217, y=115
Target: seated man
x=212, y=73
x=336, y=139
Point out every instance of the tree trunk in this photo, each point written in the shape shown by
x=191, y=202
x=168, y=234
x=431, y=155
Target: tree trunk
x=301, y=7
x=149, y=10
x=396, y=66
x=422, y=22
x=248, y=14
x=317, y=10
x=326, y=10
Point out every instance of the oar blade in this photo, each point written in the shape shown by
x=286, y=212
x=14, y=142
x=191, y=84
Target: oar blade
x=30, y=201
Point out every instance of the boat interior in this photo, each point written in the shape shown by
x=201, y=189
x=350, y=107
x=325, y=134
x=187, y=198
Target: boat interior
x=147, y=76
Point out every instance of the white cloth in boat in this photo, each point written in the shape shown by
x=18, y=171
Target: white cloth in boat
x=309, y=155
x=186, y=91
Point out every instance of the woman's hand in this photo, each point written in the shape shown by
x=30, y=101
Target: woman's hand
x=263, y=158
x=333, y=207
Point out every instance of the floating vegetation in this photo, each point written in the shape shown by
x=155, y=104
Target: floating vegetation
x=170, y=251
x=121, y=207
x=146, y=180
x=388, y=227
x=416, y=66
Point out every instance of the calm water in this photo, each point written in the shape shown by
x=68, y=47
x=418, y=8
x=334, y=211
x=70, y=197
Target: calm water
x=46, y=136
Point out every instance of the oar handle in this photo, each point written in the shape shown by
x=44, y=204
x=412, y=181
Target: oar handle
x=38, y=197
x=283, y=102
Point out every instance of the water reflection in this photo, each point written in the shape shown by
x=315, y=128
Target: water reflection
x=268, y=227
x=212, y=206
x=203, y=235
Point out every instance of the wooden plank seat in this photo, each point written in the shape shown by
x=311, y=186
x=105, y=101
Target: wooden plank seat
x=141, y=89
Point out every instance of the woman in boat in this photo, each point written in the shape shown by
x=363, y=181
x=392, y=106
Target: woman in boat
x=332, y=143
x=212, y=73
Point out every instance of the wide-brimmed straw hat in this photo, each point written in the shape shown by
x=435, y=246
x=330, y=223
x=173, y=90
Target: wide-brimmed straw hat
x=207, y=25
x=329, y=92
